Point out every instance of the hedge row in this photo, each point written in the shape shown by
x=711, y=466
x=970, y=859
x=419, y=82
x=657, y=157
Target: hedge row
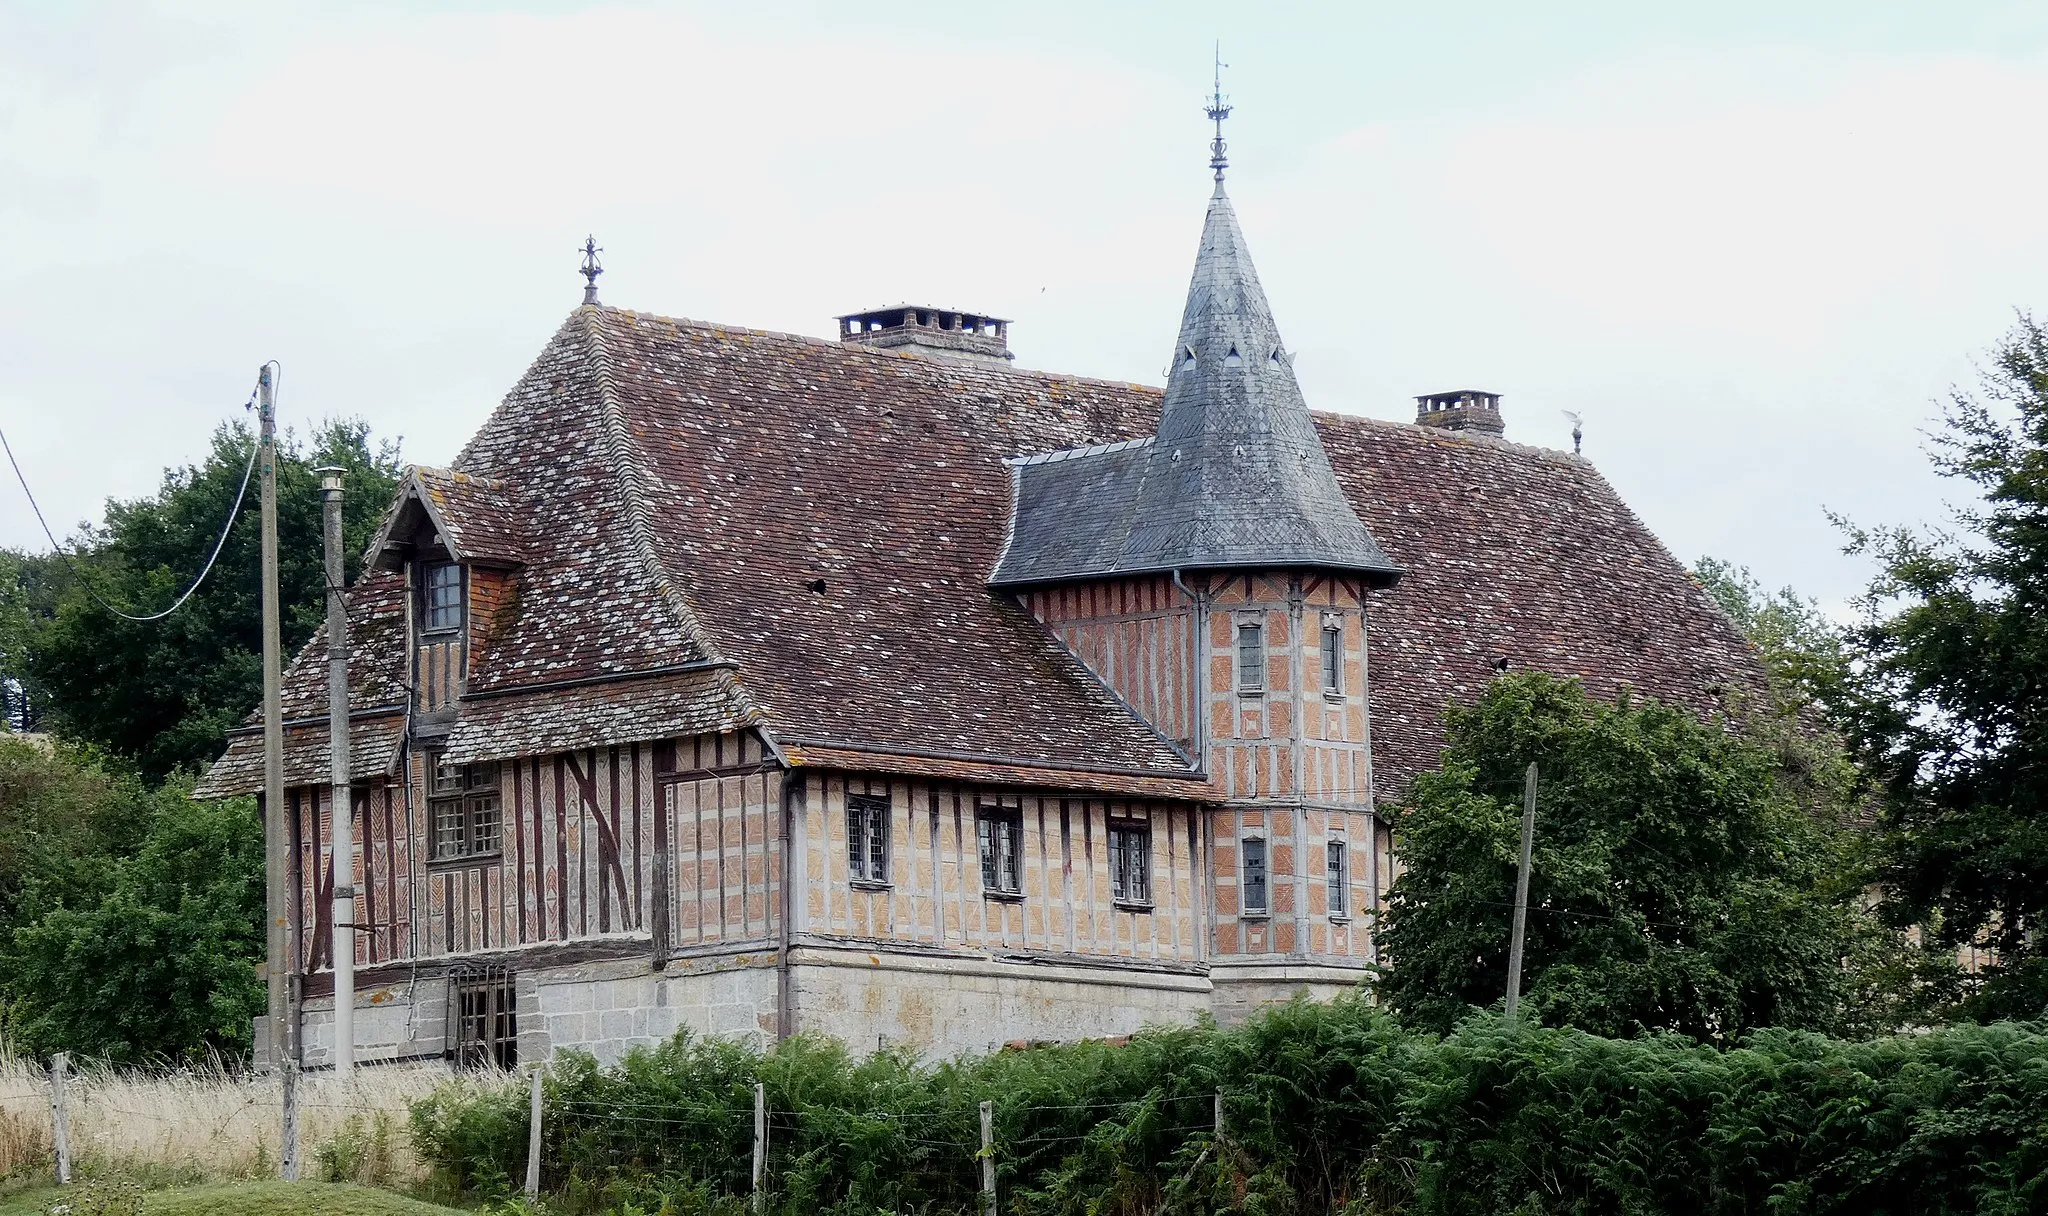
x=1326, y=1107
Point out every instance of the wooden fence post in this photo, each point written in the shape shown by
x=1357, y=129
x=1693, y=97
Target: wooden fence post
x=1218, y=1118
x=760, y=1148
x=533, y=1142
x=288, y=1150
x=988, y=1159
x=60, y=1117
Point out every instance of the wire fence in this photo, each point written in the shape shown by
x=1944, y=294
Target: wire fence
x=218, y=1124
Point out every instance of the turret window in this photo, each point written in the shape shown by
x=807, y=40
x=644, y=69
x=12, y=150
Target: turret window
x=441, y=591
x=1254, y=879
x=1251, y=658
x=1333, y=658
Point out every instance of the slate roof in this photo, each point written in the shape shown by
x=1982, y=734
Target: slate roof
x=1236, y=478
x=818, y=521
x=594, y=715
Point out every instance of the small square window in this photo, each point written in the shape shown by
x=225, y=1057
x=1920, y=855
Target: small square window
x=1002, y=850
x=1251, y=658
x=1333, y=658
x=1130, y=862
x=1340, y=882
x=441, y=591
x=867, y=839
x=1254, y=887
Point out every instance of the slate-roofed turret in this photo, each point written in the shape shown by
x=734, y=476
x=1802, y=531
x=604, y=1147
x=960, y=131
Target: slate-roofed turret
x=1235, y=478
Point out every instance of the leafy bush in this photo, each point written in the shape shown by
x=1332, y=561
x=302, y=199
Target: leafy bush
x=1327, y=1107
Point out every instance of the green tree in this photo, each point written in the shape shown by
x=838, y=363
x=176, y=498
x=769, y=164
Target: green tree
x=130, y=916
x=1679, y=881
x=164, y=964
x=165, y=692
x=1955, y=710
x=1808, y=656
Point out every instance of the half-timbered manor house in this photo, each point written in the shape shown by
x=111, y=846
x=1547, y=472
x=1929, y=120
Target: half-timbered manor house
x=756, y=683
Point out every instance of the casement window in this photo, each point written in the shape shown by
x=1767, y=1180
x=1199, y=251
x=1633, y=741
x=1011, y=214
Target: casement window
x=463, y=800
x=1340, y=882
x=440, y=596
x=1333, y=658
x=486, y=1024
x=1254, y=878
x=1130, y=862
x=1251, y=657
x=867, y=839
x=1001, y=830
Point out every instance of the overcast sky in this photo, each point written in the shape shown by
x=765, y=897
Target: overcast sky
x=1752, y=243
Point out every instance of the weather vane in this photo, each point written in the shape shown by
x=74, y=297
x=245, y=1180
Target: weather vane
x=1218, y=111
x=591, y=269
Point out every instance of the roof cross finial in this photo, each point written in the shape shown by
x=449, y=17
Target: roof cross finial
x=1218, y=111
x=591, y=269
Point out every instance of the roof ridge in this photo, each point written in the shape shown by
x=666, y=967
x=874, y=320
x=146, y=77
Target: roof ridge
x=879, y=352
x=1093, y=449
x=1442, y=434
x=631, y=477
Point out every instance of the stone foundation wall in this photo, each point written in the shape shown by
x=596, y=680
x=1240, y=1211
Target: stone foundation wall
x=938, y=1004
x=945, y=1005
x=1242, y=989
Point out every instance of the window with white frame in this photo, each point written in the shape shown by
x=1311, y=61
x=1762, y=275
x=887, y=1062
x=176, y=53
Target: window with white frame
x=1254, y=878
x=867, y=839
x=1340, y=881
x=1130, y=862
x=1251, y=657
x=1002, y=849
x=1333, y=658
x=463, y=801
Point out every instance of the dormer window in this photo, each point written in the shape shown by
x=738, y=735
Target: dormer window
x=441, y=591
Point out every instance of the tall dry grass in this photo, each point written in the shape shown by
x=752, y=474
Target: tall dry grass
x=208, y=1124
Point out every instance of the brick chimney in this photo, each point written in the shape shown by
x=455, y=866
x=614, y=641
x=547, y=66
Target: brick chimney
x=1462, y=409
x=936, y=333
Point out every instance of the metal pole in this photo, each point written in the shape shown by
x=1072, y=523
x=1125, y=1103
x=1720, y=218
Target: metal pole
x=533, y=1142
x=288, y=1151
x=988, y=1159
x=60, y=1118
x=1522, y=890
x=760, y=1148
x=341, y=812
x=277, y=843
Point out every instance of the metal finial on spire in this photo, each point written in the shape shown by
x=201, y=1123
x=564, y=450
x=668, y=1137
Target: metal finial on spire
x=591, y=269
x=1218, y=110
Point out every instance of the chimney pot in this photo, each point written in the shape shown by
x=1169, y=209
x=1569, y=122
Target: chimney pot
x=1465, y=409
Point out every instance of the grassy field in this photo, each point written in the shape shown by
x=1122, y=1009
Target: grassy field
x=191, y=1126
x=221, y=1199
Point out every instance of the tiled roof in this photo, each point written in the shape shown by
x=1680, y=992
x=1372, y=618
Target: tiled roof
x=824, y=517
x=594, y=715
x=1235, y=480
x=830, y=514
x=1515, y=553
x=372, y=752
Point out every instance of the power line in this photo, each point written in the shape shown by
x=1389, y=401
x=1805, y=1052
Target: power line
x=79, y=574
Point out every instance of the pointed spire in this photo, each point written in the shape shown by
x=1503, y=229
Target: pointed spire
x=1237, y=476
x=1218, y=110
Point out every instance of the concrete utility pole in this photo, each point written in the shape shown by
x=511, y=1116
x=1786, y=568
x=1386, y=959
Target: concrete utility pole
x=277, y=838
x=1522, y=891
x=341, y=810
